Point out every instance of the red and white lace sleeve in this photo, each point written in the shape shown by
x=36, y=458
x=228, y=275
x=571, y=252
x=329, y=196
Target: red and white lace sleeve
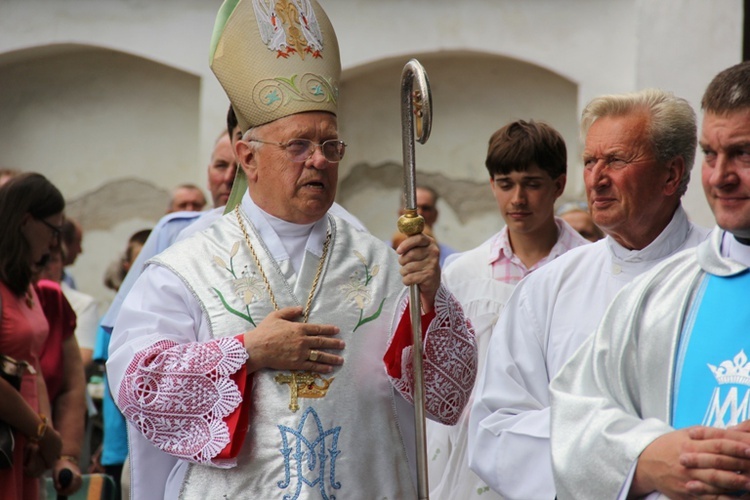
x=450, y=359
x=179, y=394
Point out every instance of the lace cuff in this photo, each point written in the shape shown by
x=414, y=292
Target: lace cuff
x=178, y=395
x=450, y=362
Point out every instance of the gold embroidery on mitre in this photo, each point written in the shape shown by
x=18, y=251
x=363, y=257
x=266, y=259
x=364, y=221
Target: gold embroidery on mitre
x=303, y=385
x=289, y=27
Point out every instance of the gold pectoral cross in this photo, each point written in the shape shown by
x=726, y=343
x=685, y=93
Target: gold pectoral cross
x=303, y=385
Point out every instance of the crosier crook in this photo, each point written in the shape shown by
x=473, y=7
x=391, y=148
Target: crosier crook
x=415, y=102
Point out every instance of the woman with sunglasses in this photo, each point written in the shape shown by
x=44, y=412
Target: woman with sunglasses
x=31, y=212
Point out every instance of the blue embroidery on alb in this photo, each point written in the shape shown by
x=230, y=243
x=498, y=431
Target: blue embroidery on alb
x=309, y=455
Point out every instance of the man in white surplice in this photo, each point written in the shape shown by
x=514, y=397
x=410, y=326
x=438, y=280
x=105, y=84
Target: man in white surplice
x=527, y=163
x=639, y=149
x=269, y=356
x=672, y=350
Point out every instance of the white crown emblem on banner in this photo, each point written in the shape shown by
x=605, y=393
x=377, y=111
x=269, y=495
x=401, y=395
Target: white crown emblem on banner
x=736, y=371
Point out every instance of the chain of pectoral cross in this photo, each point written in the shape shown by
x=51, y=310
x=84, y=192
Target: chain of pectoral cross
x=301, y=384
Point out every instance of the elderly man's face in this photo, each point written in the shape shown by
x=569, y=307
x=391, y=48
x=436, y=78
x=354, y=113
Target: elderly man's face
x=725, y=141
x=299, y=192
x=188, y=200
x=625, y=184
x=221, y=171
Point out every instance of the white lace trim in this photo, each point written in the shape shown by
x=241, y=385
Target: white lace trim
x=450, y=361
x=178, y=395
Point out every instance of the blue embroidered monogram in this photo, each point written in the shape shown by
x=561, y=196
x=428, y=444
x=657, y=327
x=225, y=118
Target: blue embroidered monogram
x=712, y=384
x=310, y=456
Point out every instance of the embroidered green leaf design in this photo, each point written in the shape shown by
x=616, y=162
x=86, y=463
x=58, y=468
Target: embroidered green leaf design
x=234, y=311
x=369, y=318
x=291, y=84
x=356, y=289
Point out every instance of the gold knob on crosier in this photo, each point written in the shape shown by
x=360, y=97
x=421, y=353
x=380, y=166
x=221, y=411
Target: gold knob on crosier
x=411, y=223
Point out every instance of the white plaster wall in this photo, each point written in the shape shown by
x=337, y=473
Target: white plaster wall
x=77, y=115
x=85, y=116
x=682, y=45
x=171, y=32
x=140, y=107
x=600, y=46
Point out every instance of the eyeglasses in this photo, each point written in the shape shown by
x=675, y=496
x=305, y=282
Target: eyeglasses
x=56, y=230
x=302, y=149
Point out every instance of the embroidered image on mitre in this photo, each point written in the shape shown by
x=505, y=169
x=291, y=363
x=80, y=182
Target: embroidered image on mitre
x=275, y=58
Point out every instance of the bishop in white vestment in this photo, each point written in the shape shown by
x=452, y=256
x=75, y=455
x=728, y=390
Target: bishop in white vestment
x=269, y=356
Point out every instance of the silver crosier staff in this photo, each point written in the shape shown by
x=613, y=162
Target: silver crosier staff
x=416, y=101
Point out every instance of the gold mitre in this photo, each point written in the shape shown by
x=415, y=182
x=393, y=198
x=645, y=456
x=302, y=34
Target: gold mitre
x=275, y=58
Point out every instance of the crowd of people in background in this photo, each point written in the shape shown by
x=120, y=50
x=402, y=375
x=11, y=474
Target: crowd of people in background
x=51, y=328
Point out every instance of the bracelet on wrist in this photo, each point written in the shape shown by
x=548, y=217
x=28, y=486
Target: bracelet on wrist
x=40, y=430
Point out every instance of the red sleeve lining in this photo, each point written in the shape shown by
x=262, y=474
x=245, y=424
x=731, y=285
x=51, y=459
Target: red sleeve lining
x=403, y=338
x=237, y=421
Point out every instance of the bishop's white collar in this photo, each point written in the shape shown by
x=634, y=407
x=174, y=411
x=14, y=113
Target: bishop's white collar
x=274, y=231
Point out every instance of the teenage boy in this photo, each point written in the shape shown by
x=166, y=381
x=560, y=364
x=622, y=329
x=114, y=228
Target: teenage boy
x=527, y=163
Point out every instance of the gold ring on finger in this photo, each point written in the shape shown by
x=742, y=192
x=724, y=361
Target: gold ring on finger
x=314, y=355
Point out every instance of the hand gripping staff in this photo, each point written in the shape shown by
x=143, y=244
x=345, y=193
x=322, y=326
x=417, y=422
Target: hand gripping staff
x=416, y=100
